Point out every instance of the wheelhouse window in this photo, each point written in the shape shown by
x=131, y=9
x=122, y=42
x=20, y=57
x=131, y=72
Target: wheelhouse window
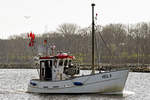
x=70, y=62
x=66, y=62
x=51, y=63
x=61, y=62
x=55, y=63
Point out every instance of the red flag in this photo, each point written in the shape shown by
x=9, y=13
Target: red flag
x=28, y=35
x=30, y=44
x=45, y=42
x=31, y=34
x=96, y=14
x=31, y=38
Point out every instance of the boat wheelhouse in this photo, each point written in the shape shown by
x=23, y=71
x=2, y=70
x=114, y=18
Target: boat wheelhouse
x=58, y=67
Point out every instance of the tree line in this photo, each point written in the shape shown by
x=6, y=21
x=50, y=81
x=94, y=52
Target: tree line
x=114, y=43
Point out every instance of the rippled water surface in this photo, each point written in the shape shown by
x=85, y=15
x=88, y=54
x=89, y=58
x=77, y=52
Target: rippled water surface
x=13, y=86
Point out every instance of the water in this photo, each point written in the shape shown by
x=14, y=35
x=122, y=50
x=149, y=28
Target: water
x=13, y=86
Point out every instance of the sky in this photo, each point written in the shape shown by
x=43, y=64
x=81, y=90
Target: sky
x=39, y=16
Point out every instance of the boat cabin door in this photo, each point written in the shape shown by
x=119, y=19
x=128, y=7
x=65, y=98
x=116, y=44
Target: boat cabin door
x=46, y=69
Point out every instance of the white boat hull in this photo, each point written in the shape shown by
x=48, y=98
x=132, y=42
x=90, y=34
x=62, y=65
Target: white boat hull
x=106, y=82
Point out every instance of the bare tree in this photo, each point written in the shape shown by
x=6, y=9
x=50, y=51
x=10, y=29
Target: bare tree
x=68, y=28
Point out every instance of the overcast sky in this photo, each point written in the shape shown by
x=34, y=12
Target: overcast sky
x=19, y=16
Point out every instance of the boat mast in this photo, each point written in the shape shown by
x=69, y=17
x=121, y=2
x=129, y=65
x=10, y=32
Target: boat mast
x=93, y=33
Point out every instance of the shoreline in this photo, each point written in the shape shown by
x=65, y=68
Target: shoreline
x=132, y=68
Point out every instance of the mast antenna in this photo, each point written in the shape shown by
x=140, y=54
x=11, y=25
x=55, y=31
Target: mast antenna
x=93, y=33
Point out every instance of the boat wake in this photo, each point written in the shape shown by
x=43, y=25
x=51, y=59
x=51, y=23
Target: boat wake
x=11, y=92
x=128, y=93
x=124, y=93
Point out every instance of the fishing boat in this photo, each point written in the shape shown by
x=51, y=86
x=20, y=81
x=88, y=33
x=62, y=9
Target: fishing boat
x=57, y=74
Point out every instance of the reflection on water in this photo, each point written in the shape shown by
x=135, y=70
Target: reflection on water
x=13, y=86
x=77, y=97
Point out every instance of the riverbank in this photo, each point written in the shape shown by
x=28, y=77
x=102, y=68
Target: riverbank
x=132, y=67
x=16, y=66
